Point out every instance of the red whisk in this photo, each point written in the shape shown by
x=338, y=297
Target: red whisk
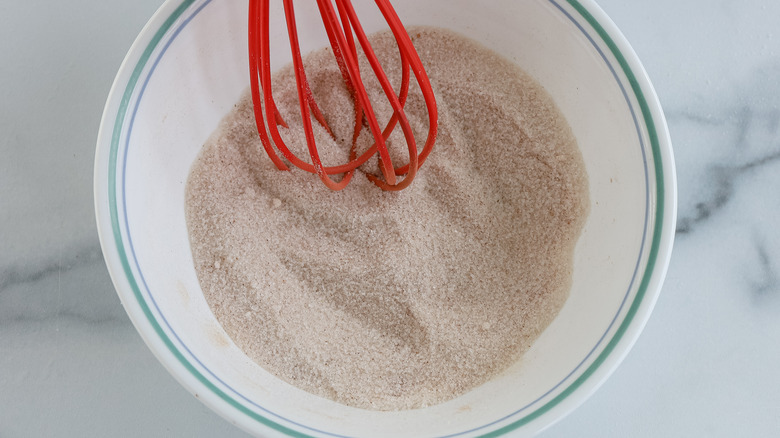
x=341, y=28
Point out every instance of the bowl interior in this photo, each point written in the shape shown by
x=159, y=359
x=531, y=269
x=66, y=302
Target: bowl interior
x=185, y=73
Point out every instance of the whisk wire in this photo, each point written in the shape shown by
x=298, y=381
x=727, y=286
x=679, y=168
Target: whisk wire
x=341, y=35
x=255, y=68
x=329, y=18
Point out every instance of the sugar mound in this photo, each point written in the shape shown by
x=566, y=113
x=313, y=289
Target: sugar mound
x=394, y=300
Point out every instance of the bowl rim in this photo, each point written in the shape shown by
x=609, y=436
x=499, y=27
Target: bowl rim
x=577, y=391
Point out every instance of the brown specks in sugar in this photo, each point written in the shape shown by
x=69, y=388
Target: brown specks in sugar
x=394, y=300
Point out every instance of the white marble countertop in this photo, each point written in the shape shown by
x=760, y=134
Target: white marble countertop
x=708, y=363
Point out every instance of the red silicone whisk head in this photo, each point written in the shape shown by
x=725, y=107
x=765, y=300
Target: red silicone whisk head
x=343, y=28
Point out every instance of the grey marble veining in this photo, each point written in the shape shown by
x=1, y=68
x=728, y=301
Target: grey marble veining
x=64, y=284
x=71, y=363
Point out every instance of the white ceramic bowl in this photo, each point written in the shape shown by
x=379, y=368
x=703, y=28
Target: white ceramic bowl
x=186, y=70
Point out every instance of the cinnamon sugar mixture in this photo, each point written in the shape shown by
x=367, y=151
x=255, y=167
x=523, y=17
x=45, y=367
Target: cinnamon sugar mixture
x=394, y=300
